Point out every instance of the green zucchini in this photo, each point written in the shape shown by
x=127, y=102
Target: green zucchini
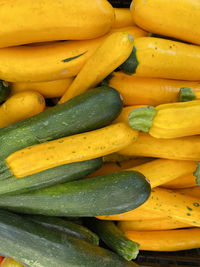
x=65, y=226
x=91, y=110
x=34, y=245
x=4, y=91
x=104, y=195
x=130, y=65
x=115, y=239
x=9, y=184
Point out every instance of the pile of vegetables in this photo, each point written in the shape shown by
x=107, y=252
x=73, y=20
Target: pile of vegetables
x=99, y=131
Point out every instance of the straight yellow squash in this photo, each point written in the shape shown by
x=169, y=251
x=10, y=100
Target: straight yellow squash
x=162, y=58
x=29, y=21
x=21, y=106
x=168, y=120
x=115, y=49
x=148, y=91
x=49, y=89
x=183, y=148
x=70, y=149
x=166, y=240
x=151, y=225
x=178, y=18
x=8, y=262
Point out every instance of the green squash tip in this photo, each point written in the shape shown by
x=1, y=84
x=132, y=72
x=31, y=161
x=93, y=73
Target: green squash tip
x=197, y=173
x=186, y=94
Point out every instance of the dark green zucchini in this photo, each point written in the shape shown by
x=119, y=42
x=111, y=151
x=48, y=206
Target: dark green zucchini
x=4, y=91
x=9, y=184
x=91, y=110
x=115, y=239
x=34, y=245
x=65, y=226
x=104, y=195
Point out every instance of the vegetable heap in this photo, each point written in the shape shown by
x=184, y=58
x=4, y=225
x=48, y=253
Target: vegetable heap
x=99, y=131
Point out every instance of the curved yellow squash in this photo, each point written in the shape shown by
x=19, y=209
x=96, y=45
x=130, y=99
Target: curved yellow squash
x=166, y=240
x=178, y=18
x=51, y=61
x=21, y=106
x=29, y=21
x=49, y=89
x=115, y=49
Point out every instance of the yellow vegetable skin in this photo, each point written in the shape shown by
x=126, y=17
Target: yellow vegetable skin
x=109, y=167
x=70, y=149
x=162, y=58
x=136, y=214
x=8, y=262
x=148, y=91
x=123, y=18
x=191, y=191
x=151, y=225
x=179, y=20
x=166, y=203
x=29, y=21
x=49, y=89
x=184, y=148
x=181, y=182
x=167, y=240
x=115, y=49
x=21, y=106
x=60, y=60
x=168, y=120
x=160, y=171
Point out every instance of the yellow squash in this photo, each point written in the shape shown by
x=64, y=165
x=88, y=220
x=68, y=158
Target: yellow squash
x=109, y=167
x=151, y=225
x=49, y=89
x=70, y=149
x=8, y=262
x=168, y=120
x=191, y=191
x=29, y=21
x=167, y=240
x=179, y=19
x=162, y=58
x=115, y=49
x=185, y=181
x=21, y=106
x=60, y=60
x=148, y=91
x=183, y=148
x=136, y=214
x=123, y=18
x=166, y=203
x=160, y=171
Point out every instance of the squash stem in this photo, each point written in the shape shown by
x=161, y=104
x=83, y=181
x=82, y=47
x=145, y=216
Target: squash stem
x=115, y=239
x=186, y=94
x=142, y=118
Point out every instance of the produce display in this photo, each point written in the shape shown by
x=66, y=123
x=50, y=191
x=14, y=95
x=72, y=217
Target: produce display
x=99, y=131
